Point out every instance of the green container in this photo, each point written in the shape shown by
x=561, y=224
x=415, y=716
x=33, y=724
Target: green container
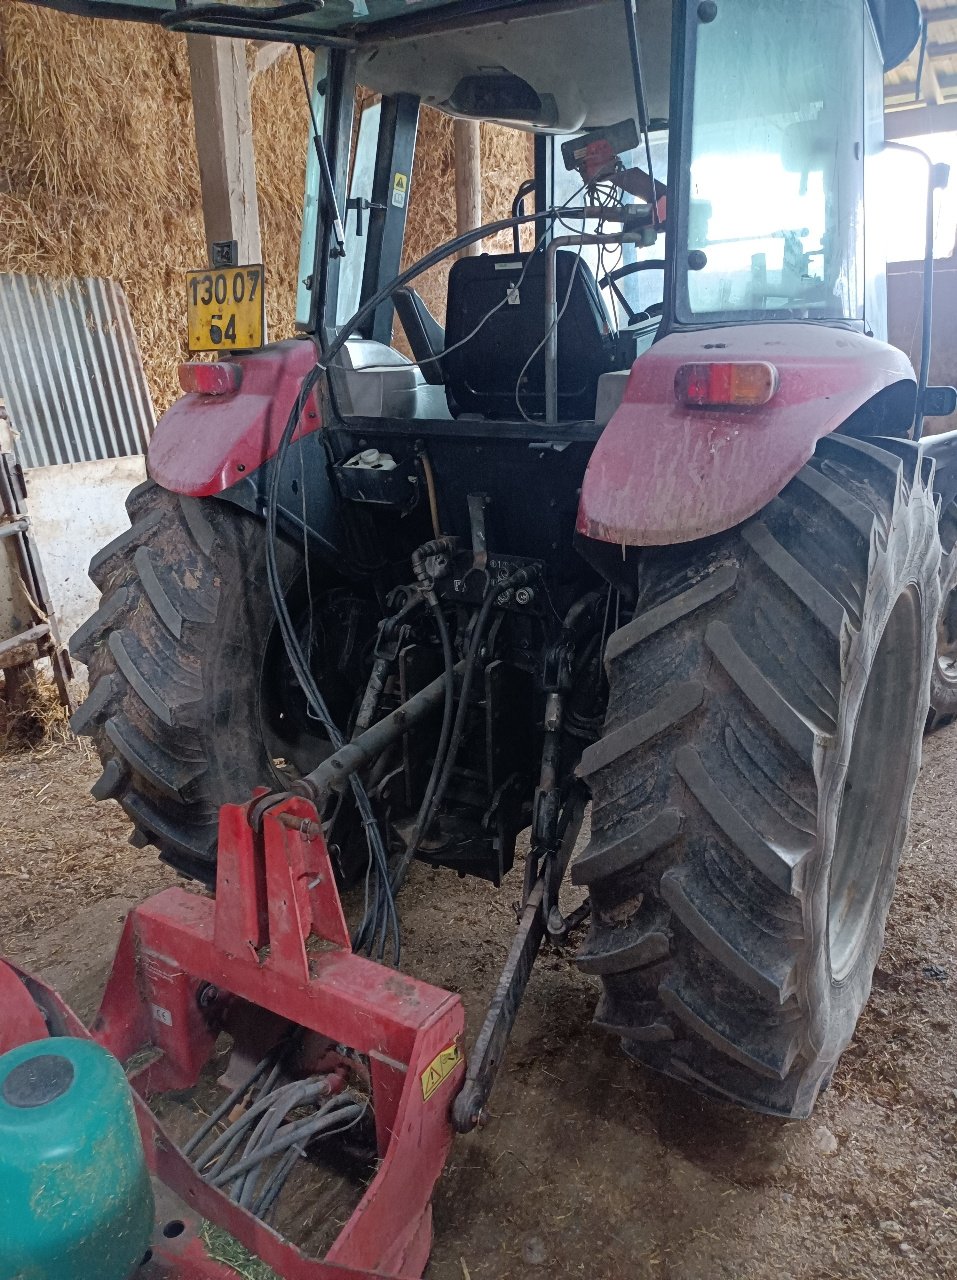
x=75, y=1195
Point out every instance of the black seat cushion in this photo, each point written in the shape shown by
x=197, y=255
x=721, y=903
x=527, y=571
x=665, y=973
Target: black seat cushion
x=482, y=375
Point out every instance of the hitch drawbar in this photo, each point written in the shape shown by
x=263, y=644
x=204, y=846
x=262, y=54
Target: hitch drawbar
x=273, y=942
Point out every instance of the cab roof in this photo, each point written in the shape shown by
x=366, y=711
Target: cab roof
x=551, y=65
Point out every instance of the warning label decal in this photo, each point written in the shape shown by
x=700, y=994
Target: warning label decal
x=439, y=1069
x=400, y=189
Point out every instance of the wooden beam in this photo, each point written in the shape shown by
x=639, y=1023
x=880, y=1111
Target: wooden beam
x=946, y=13
x=914, y=122
x=932, y=84
x=219, y=78
x=468, y=179
x=265, y=54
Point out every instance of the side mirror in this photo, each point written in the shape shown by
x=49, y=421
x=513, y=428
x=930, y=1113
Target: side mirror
x=940, y=402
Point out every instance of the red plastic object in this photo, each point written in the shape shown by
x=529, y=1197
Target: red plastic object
x=209, y=378
x=204, y=444
x=275, y=940
x=665, y=472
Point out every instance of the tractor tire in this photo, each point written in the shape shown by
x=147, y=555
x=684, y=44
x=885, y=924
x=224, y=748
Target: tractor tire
x=943, y=679
x=752, y=788
x=179, y=662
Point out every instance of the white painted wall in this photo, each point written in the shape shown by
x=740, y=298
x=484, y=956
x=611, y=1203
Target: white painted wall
x=76, y=509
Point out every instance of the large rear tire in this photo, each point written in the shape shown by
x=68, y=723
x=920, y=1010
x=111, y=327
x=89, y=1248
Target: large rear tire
x=191, y=703
x=752, y=788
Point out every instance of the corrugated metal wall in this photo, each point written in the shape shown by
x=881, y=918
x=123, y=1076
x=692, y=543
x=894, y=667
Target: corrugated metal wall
x=70, y=371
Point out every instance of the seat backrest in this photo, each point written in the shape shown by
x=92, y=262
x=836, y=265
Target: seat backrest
x=484, y=374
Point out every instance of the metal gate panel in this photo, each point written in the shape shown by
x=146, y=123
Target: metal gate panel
x=70, y=370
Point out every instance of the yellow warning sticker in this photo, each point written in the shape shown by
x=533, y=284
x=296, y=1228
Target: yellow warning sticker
x=400, y=189
x=439, y=1069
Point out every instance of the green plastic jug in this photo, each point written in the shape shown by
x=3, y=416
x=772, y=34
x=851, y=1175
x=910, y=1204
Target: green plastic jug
x=75, y=1195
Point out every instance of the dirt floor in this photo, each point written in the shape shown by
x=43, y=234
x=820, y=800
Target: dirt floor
x=590, y=1166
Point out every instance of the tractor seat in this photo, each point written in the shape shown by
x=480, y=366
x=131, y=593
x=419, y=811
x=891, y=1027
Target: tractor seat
x=507, y=352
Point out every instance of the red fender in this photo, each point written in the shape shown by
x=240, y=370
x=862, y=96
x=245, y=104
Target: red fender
x=204, y=444
x=662, y=473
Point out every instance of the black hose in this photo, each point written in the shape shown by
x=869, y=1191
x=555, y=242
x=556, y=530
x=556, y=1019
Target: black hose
x=425, y=809
x=494, y=590
x=386, y=918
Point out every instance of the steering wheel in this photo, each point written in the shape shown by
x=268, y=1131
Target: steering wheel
x=629, y=269
x=610, y=281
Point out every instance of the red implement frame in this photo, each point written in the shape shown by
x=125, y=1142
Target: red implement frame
x=275, y=938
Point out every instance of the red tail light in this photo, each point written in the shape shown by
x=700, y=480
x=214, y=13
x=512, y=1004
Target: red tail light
x=207, y=379
x=743, y=384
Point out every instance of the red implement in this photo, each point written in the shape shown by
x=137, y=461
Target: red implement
x=275, y=940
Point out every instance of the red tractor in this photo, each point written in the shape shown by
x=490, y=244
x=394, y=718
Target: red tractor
x=649, y=523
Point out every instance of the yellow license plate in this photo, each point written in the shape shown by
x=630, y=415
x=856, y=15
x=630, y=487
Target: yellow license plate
x=225, y=309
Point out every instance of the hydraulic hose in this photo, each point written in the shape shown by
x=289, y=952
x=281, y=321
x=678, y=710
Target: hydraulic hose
x=225, y=1107
x=300, y=1132
x=235, y=1132
x=518, y=579
x=445, y=732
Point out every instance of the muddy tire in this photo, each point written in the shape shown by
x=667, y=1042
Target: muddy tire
x=943, y=680
x=179, y=661
x=752, y=787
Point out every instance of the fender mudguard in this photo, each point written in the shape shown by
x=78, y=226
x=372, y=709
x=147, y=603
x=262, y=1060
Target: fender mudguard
x=662, y=473
x=203, y=445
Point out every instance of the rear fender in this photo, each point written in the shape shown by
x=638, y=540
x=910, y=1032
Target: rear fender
x=662, y=473
x=203, y=444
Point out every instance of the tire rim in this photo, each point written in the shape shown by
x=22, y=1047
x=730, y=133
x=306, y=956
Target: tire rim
x=947, y=636
x=875, y=788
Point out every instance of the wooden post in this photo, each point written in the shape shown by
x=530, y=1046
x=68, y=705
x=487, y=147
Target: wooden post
x=224, y=142
x=468, y=180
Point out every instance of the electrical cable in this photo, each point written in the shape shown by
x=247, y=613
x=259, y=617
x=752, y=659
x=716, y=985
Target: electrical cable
x=548, y=332
x=605, y=199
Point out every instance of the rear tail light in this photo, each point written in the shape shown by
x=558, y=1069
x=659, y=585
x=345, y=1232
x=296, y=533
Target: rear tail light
x=210, y=379
x=741, y=384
